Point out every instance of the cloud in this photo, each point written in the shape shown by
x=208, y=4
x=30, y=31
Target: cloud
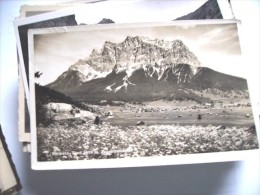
x=223, y=39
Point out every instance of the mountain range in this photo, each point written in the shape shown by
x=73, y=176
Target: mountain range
x=209, y=10
x=129, y=55
x=140, y=69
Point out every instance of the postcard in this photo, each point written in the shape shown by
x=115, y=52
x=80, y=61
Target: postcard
x=23, y=114
x=196, y=10
x=138, y=94
x=9, y=179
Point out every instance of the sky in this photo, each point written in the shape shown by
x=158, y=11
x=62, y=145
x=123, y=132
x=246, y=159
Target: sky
x=216, y=46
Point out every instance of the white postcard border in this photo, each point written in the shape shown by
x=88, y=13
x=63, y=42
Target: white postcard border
x=126, y=162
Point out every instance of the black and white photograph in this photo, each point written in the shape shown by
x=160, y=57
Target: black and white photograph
x=109, y=12
x=134, y=91
x=147, y=11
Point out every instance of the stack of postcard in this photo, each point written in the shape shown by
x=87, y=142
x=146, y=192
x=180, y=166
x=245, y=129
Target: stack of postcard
x=9, y=180
x=132, y=83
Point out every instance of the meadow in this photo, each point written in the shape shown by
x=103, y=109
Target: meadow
x=75, y=141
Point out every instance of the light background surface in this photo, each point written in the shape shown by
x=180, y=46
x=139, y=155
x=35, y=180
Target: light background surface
x=226, y=178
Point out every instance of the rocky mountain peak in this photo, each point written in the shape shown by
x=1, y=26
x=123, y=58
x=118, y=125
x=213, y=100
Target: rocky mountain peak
x=137, y=51
x=133, y=40
x=133, y=53
x=178, y=43
x=106, y=21
x=209, y=10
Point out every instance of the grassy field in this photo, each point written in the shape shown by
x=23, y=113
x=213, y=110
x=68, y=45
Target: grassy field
x=169, y=128
x=71, y=141
x=180, y=113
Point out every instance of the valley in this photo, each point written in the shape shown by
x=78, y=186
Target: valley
x=179, y=113
x=154, y=128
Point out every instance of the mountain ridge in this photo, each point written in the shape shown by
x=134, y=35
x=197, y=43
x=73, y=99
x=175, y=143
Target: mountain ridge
x=140, y=69
x=130, y=54
x=209, y=10
x=140, y=86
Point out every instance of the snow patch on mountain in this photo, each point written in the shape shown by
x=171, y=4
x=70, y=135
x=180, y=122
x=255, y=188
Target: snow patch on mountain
x=109, y=87
x=125, y=84
x=88, y=71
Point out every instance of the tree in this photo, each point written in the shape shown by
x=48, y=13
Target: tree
x=37, y=74
x=97, y=120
